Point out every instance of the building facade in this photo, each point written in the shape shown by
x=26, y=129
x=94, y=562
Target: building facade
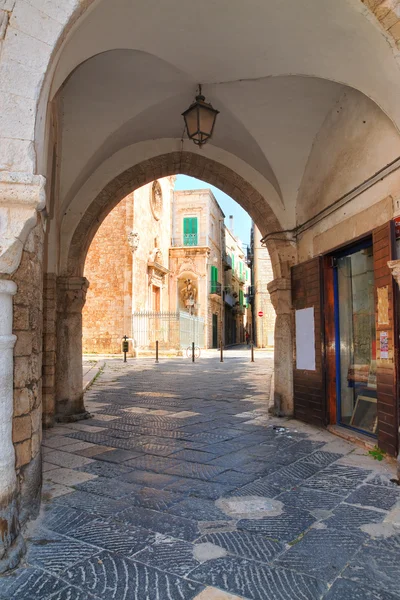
x=127, y=266
x=262, y=275
x=236, y=284
x=157, y=255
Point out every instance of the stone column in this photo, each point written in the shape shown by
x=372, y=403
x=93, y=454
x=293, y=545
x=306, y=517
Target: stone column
x=71, y=296
x=394, y=266
x=11, y=544
x=280, y=291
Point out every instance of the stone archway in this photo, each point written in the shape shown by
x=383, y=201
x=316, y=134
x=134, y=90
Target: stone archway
x=185, y=163
x=71, y=285
x=31, y=38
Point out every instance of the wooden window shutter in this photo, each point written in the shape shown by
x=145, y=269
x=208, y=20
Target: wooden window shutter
x=309, y=385
x=384, y=250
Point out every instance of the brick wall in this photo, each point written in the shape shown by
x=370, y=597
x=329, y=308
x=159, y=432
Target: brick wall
x=108, y=267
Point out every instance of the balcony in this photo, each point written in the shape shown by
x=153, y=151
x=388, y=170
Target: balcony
x=227, y=261
x=215, y=288
x=239, y=310
x=189, y=239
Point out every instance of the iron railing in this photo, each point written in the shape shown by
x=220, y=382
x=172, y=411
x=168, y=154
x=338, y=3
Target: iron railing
x=215, y=288
x=172, y=330
x=189, y=239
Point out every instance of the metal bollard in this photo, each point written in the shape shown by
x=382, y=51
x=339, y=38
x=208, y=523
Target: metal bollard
x=252, y=351
x=192, y=351
x=125, y=347
x=222, y=354
x=157, y=361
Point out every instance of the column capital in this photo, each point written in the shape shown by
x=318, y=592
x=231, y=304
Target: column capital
x=21, y=196
x=394, y=266
x=71, y=293
x=280, y=290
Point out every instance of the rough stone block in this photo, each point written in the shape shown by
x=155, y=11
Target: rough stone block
x=30, y=20
x=17, y=116
x=22, y=373
x=395, y=31
x=23, y=345
x=21, y=318
x=36, y=443
x=26, y=49
x=22, y=428
x=16, y=155
x=23, y=452
x=36, y=417
x=21, y=402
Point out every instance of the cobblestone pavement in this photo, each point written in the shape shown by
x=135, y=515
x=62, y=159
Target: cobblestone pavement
x=181, y=488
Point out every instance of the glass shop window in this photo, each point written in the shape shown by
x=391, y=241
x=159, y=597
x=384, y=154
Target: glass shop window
x=356, y=340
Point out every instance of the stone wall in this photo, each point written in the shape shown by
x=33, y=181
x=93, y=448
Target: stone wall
x=263, y=274
x=49, y=348
x=108, y=269
x=27, y=326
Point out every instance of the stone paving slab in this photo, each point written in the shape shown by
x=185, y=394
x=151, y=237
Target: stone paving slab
x=114, y=575
x=374, y=570
x=343, y=589
x=158, y=503
x=322, y=553
x=239, y=543
x=257, y=581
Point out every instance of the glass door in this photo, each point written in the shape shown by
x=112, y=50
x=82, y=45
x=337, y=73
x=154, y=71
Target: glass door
x=355, y=339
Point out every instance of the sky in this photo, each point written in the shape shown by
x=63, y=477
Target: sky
x=241, y=220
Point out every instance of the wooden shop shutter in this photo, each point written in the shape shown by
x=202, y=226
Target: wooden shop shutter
x=309, y=385
x=384, y=250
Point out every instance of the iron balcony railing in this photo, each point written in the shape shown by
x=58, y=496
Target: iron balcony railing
x=215, y=288
x=227, y=261
x=189, y=239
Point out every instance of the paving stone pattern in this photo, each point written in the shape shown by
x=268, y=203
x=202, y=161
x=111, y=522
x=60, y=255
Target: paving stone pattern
x=129, y=505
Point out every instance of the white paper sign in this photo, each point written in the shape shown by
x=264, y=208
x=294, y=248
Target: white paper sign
x=305, y=339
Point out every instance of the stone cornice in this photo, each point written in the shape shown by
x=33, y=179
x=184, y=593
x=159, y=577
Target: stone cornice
x=22, y=190
x=21, y=196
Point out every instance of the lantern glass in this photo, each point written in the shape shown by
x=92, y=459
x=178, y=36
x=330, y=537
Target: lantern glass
x=192, y=121
x=200, y=120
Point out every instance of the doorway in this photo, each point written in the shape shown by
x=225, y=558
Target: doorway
x=355, y=338
x=215, y=331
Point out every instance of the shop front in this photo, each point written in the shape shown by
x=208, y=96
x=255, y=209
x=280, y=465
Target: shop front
x=345, y=358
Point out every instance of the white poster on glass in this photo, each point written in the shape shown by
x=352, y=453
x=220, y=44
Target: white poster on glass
x=305, y=339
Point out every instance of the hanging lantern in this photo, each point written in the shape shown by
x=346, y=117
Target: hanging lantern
x=200, y=120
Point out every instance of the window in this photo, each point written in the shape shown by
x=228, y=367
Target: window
x=241, y=298
x=214, y=279
x=190, y=231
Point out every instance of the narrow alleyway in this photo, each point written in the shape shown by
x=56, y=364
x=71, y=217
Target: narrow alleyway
x=182, y=487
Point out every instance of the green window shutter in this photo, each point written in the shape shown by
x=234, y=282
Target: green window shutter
x=233, y=261
x=214, y=279
x=190, y=231
x=241, y=297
